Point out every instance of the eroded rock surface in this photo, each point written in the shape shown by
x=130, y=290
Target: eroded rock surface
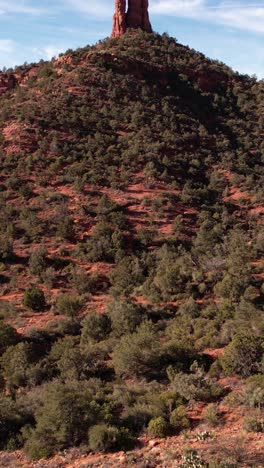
x=136, y=16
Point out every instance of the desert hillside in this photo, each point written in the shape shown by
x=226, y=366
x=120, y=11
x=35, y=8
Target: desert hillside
x=131, y=259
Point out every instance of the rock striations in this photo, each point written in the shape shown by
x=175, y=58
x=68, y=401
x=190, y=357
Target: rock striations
x=136, y=17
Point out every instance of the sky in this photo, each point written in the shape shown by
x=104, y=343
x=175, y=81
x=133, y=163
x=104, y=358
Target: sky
x=231, y=31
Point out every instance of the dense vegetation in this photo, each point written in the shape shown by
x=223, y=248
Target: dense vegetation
x=77, y=140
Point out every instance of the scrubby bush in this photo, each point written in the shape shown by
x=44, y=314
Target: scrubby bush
x=63, y=419
x=254, y=391
x=69, y=305
x=34, y=299
x=243, y=355
x=212, y=415
x=95, y=327
x=158, y=427
x=67, y=357
x=15, y=363
x=196, y=385
x=254, y=424
x=179, y=419
x=104, y=438
x=8, y=336
x=37, y=262
x=125, y=316
x=12, y=420
x=138, y=353
x=66, y=228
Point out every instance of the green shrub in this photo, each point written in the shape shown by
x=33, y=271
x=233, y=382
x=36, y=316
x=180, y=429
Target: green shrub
x=82, y=282
x=125, y=316
x=212, y=415
x=63, y=418
x=158, y=427
x=95, y=327
x=254, y=391
x=11, y=421
x=138, y=353
x=103, y=438
x=37, y=262
x=254, y=425
x=66, y=228
x=179, y=420
x=220, y=463
x=196, y=386
x=34, y=299
x=37, y=449
x=243, y=355
x=15, y=363
x=69, y=305
x=8, y=336
x=66, y=354
x=6, y=247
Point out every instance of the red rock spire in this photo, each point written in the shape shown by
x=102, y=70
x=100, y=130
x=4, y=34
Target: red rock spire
x=136, y=17
x=119, y=19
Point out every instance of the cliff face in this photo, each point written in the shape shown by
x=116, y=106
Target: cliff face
x=136, y=17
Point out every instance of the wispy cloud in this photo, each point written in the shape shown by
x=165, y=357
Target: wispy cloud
x=6, y=46
x=237, y=14
x=101, y=9
x=52, y=51
x=20, y=7
x=243, y=14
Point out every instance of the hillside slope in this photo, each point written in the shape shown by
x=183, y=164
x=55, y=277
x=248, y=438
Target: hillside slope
x=131, y=254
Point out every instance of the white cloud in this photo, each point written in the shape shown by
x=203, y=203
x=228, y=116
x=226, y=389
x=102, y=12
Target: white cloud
x=19, y=7
x=101, y=9
x=6, y=46
x=48, y=52
x=246, y=16
x=52, y=51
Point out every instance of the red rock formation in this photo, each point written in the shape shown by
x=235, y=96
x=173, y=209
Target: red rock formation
x=119, y=19
x=136, y=17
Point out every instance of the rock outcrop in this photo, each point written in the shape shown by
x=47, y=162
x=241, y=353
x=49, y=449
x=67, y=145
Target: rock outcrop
x=136, y=17
x=119, y=19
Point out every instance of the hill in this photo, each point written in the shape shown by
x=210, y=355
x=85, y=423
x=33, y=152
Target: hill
x=132, y=257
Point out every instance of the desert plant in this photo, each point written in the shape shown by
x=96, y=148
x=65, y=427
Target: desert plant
x=34, y=299
x=158, y=427
x=68, y=304
x=179, y=419
x=103, y=438
x=95, y=327
x=8, y=336
x=212, y=415
x=252, y=424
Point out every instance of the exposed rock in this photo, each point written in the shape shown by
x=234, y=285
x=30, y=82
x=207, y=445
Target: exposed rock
x=136, y=17
x=153, y=443
x=119, y=19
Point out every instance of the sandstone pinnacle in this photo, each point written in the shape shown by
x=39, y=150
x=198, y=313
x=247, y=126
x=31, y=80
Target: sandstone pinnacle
x=136, y=16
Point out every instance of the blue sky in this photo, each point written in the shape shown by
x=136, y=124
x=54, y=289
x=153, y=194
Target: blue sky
x=229, y=30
